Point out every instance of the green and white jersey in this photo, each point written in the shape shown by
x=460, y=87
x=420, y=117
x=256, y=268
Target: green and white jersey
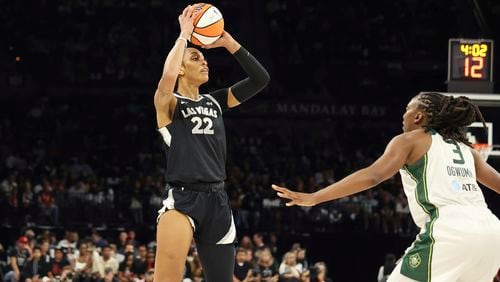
x=444, y=176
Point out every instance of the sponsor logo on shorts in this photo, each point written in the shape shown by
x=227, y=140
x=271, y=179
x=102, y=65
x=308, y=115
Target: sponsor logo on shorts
x=414, y=260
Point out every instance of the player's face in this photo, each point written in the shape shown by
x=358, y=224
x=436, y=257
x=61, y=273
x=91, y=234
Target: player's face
x=194, y=66
x=410, y=116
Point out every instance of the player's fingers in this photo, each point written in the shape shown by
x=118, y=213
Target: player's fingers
x=185, y=12
x=278, y=188
x=284, y=195
x=191, y=11
x=291, y=203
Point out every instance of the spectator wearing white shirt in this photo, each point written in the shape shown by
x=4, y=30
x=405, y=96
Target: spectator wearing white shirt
x=106, y=261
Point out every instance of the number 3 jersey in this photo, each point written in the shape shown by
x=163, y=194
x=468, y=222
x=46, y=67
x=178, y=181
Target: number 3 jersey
x=444, y=176
x=195, y=140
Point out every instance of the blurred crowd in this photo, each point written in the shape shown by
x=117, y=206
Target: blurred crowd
x=354, y=45
x=45, y=257
x=63, y=166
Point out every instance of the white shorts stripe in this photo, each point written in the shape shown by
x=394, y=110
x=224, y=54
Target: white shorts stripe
x=230, y=235
x=169, y=204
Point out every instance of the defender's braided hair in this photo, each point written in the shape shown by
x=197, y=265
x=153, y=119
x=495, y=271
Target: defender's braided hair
x=448, y=115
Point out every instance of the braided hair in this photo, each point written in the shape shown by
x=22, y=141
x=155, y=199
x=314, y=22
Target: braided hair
x=448, y=115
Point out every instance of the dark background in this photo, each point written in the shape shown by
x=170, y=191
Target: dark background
x=77, y=80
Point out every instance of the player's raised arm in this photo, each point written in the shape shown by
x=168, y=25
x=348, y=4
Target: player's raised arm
x=395, y=156
x=257, y=79
x=164, y=93
x=486, y=174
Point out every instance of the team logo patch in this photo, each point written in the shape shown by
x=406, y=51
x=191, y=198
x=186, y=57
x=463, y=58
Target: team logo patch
x=414, y=260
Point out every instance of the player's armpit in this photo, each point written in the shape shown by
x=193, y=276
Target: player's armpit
x=485, y=173
x=165, y=106
x=231, y=100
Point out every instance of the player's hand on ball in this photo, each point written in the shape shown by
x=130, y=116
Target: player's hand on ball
x=296, y=198
x=225, y=40
x=186, y=21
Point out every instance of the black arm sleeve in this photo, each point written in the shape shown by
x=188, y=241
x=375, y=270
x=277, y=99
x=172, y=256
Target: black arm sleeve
x=257, y=79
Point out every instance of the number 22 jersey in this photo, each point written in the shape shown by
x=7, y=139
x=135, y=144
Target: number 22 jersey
x=195, y=140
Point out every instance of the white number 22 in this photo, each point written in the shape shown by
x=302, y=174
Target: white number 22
x=198, y=124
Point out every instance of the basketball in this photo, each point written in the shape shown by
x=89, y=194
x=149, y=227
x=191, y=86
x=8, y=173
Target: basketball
x=208, y=24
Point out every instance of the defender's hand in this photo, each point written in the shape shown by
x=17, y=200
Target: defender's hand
x=296, y=198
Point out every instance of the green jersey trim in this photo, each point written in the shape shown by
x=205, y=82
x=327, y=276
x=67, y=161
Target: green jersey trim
x=417, y=261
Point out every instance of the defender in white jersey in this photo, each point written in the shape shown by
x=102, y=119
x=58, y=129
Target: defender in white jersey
x=460, y=237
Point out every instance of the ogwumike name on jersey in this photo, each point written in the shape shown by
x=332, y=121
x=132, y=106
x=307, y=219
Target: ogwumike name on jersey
x=200, y=110
x=459, y=171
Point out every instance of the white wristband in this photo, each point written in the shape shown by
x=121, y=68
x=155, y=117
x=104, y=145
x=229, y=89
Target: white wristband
x=185, y=41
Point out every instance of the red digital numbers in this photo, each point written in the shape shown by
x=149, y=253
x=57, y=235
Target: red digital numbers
x=473, y=68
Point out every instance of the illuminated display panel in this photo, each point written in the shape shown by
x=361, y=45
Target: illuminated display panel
x=470, y=60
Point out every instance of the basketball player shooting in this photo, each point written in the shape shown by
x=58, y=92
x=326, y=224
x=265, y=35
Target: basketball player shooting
x=191, y=125
x=460, y=237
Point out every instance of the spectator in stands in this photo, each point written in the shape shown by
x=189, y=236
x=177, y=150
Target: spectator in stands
x=140, y=262
x=114, y=253
x=82, y=263
x=27, y=200
x=151, y=259
x=385, y=270
x=36, y=267
x=242, y=268
x=273, y=243
x=59, y=266
x=258, y=241
x=18, y=257
x=106, y=261
x=98, y=241
x=109, y=276
x=45, y=249
x=126, y=270
x=129, y=248
x=46, y=203
x=131, y=238
x=267, y=268
x=246, y=243
x=321, y=273
x=122, y=241
x=289, y=270
x=69, y=243
x=302, y=259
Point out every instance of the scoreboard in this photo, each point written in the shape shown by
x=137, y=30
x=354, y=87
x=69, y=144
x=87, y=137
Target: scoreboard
x=470, y=65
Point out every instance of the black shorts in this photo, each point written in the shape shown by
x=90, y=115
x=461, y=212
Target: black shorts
x=207, y=207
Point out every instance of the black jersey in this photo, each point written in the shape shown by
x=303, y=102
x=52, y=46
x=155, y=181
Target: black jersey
x=195, y=140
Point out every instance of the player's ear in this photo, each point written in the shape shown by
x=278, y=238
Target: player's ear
x=420, y=118
x=182, y=71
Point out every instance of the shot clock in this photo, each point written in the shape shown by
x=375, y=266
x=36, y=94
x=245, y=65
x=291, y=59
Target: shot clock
x=470, y=65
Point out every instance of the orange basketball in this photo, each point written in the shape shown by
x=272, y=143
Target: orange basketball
x=208, y=24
